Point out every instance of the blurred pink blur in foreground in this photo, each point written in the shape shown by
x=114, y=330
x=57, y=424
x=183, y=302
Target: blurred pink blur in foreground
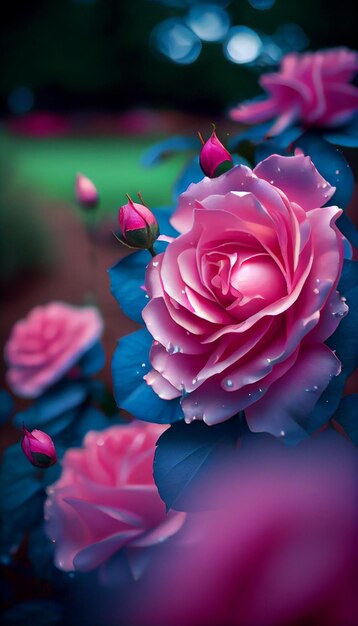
x=281, y=551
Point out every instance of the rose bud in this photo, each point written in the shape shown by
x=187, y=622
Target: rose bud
x=39, y=448
x=139, y=227
x=214, y=158
x=86, y=192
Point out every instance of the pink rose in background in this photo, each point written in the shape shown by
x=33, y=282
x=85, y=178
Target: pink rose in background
x=280, y=550
x=311, y=88
x=47, y=343
x=106, y=499
x=242, y=301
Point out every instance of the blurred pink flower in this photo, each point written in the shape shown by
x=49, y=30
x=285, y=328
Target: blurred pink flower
x=106, y=499
x=242, y=301
x=40, y=124
x=280, y=550
x=47, y=343
x=311, y=88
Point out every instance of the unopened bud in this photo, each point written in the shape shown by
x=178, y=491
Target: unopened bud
x=138, y=226
x=214, y=158
x=38, y=447
x=86, y=192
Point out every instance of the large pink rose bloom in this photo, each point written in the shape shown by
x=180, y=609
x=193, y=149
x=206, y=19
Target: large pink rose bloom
x=311, y=88
x=106, y=499
x=242, y=301
x=47, y=343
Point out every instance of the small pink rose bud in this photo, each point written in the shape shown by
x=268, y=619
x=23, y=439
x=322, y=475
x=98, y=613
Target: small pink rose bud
x=86, y=192
x=214, y=158
x=139, y=227
x=39, y=448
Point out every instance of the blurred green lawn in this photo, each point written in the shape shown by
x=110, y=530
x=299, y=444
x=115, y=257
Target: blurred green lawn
x=49, y=167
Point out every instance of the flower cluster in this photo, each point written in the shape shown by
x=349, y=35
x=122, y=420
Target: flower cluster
x=248, y=302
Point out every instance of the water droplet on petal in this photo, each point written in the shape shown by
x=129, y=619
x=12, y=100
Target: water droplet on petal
x=315, y=387
x=337, y=172
x=194, y=381
x=100, y=442
x=155, y=263
x=172, y=349
x=316, y=291
x=228, y=382
x=282, y=433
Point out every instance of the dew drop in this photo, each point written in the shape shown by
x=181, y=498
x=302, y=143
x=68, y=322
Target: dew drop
x=279, y=169
x=100, y=442
x=343, y=299
x=316, y=291
x=271, y=182
x=143, y=364
x=260, y=390
x=155, y=263
x=194, y=381
x=282, y=433
x=337, y=172
x=171, y=349
x=229, y=382
x=318, y=280
x=268, y=360
x=146, y=296
x=315, y=388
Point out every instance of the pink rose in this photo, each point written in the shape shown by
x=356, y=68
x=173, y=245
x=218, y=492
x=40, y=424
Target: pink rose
x=47, y=343
x=311, y=88
x=242, y=301
x=106, y=499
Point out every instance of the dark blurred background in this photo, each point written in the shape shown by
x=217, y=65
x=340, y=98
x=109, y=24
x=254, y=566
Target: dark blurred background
x=90, y=55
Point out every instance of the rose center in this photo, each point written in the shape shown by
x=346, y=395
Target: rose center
x=246, y=285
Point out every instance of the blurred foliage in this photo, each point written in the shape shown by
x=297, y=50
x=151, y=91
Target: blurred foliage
x=77, y=54
x=24, y=244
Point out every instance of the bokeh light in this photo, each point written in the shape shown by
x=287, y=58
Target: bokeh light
x=243, y=45
x=262, y=5
x=20, y=100
x=174, y=40
x=208, y=21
